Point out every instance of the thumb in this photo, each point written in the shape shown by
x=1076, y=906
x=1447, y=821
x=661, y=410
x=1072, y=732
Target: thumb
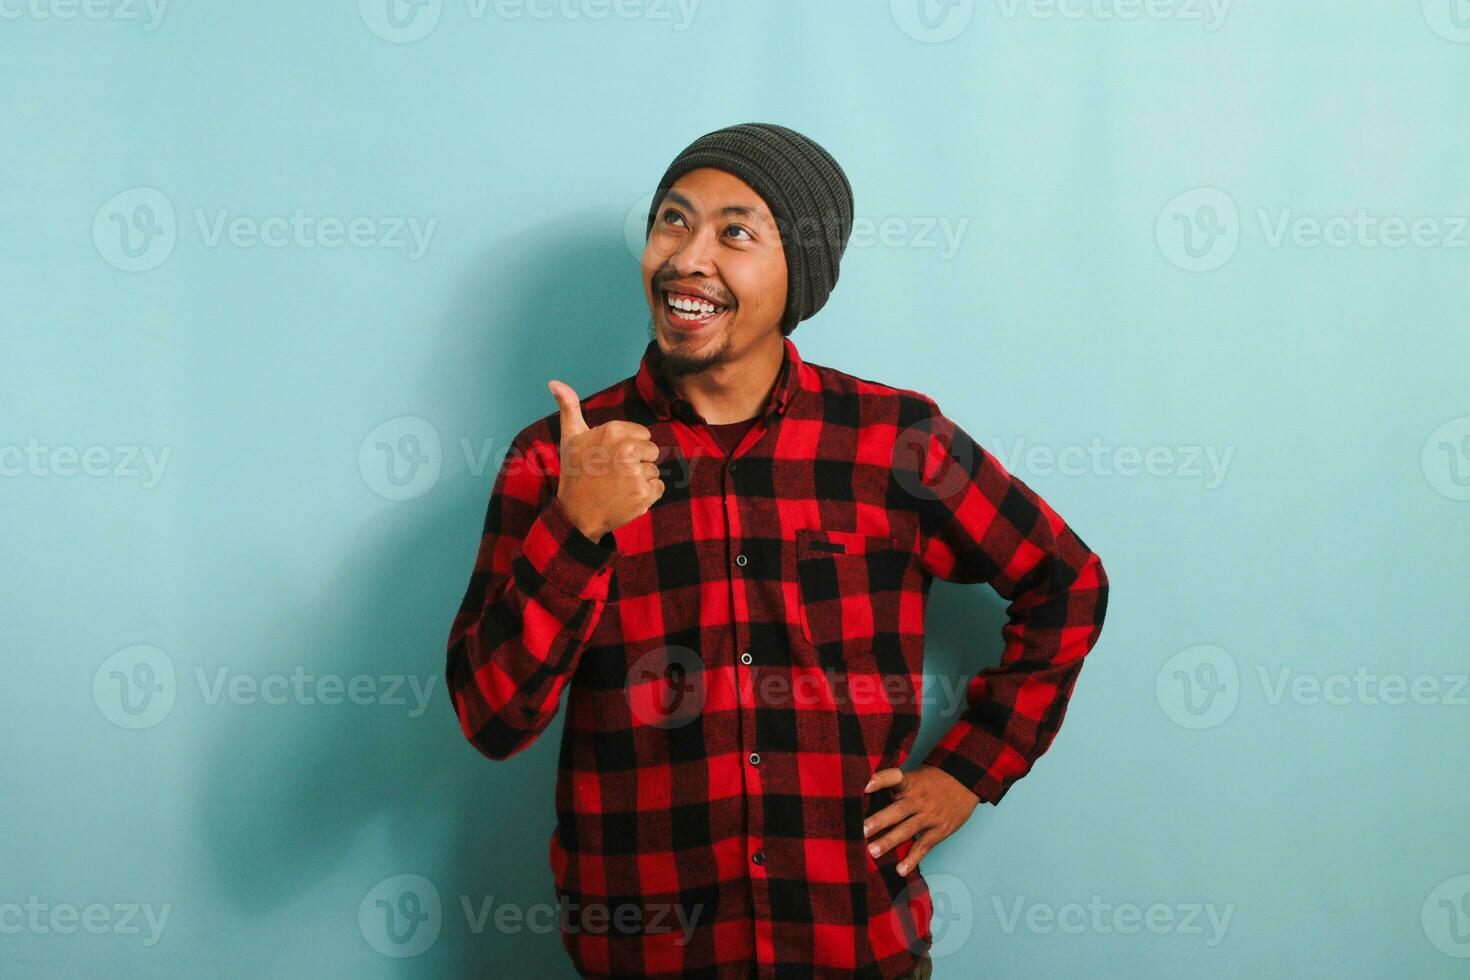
x=572, y=423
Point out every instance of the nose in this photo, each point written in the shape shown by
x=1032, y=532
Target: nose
x=696, y=255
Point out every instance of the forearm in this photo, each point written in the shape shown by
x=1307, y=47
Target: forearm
x=1013, y=710
x=982, y=524
x=528, y=613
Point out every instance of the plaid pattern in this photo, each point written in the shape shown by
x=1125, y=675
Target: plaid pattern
x=740, y=659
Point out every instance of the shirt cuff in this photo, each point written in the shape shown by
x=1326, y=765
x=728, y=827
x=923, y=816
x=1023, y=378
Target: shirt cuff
x=968, y=740
x=560, y=553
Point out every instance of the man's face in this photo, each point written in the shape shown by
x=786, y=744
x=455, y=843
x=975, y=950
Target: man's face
x=713, y=240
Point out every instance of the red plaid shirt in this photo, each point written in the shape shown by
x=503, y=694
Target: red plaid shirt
x=740, y=659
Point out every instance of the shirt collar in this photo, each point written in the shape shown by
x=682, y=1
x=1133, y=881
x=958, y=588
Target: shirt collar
x=660, y=395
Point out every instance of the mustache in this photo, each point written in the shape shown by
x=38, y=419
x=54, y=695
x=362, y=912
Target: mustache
x=715, y=295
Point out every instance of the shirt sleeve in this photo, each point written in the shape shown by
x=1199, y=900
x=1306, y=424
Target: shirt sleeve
x=978, y=523
x=538, y=589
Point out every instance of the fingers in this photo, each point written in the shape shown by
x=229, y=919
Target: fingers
x=623, y=429
x=887, y=817
x=636, y=461
x=906, y=823
x=572, y=423
x=884, y=778
x=906, y=828
x=927, y=839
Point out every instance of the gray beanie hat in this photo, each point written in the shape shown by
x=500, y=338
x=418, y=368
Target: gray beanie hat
x=806, y=190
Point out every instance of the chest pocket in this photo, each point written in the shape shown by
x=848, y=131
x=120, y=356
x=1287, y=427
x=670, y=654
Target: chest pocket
x=853, y=605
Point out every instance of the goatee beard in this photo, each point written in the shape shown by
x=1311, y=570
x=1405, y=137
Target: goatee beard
x=674, y=365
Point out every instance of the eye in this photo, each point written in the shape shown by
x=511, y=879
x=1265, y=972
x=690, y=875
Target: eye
x=674, y=213
x=740, y=228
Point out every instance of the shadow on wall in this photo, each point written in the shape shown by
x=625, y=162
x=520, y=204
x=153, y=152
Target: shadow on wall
x=292, y=794
x=961, y=636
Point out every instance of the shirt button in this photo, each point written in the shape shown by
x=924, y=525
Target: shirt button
x=741, y=560
x=755, y=758
x=732, y=467
x=759, y=857
x=746, y=658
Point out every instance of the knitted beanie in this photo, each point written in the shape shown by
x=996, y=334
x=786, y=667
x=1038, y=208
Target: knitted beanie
x=806, y=191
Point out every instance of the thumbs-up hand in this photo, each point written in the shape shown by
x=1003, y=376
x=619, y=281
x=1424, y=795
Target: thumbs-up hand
x=608, y=474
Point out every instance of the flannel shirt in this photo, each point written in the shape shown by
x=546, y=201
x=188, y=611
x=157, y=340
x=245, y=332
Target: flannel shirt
x=740, y=659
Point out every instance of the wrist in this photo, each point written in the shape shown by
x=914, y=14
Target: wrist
x=590, y=529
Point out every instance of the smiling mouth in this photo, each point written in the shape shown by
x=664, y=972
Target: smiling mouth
x=687, y=312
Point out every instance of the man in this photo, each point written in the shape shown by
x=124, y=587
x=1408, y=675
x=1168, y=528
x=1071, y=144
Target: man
x=724, y=561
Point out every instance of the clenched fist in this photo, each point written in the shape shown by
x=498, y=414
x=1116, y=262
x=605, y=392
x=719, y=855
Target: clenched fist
x=608, y=474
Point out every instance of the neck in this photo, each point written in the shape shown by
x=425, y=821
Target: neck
x=735, y=390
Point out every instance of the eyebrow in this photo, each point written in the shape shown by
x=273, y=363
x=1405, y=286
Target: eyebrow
x=741, y=210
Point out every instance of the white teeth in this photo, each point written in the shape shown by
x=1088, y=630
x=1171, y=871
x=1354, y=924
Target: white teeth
x=693, y=306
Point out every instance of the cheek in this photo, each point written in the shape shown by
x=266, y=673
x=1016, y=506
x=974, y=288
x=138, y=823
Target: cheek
x=655, y=256
x=775, y=280
x=763, y=289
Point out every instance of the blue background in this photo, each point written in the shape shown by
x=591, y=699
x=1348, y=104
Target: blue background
x=1131, y=194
